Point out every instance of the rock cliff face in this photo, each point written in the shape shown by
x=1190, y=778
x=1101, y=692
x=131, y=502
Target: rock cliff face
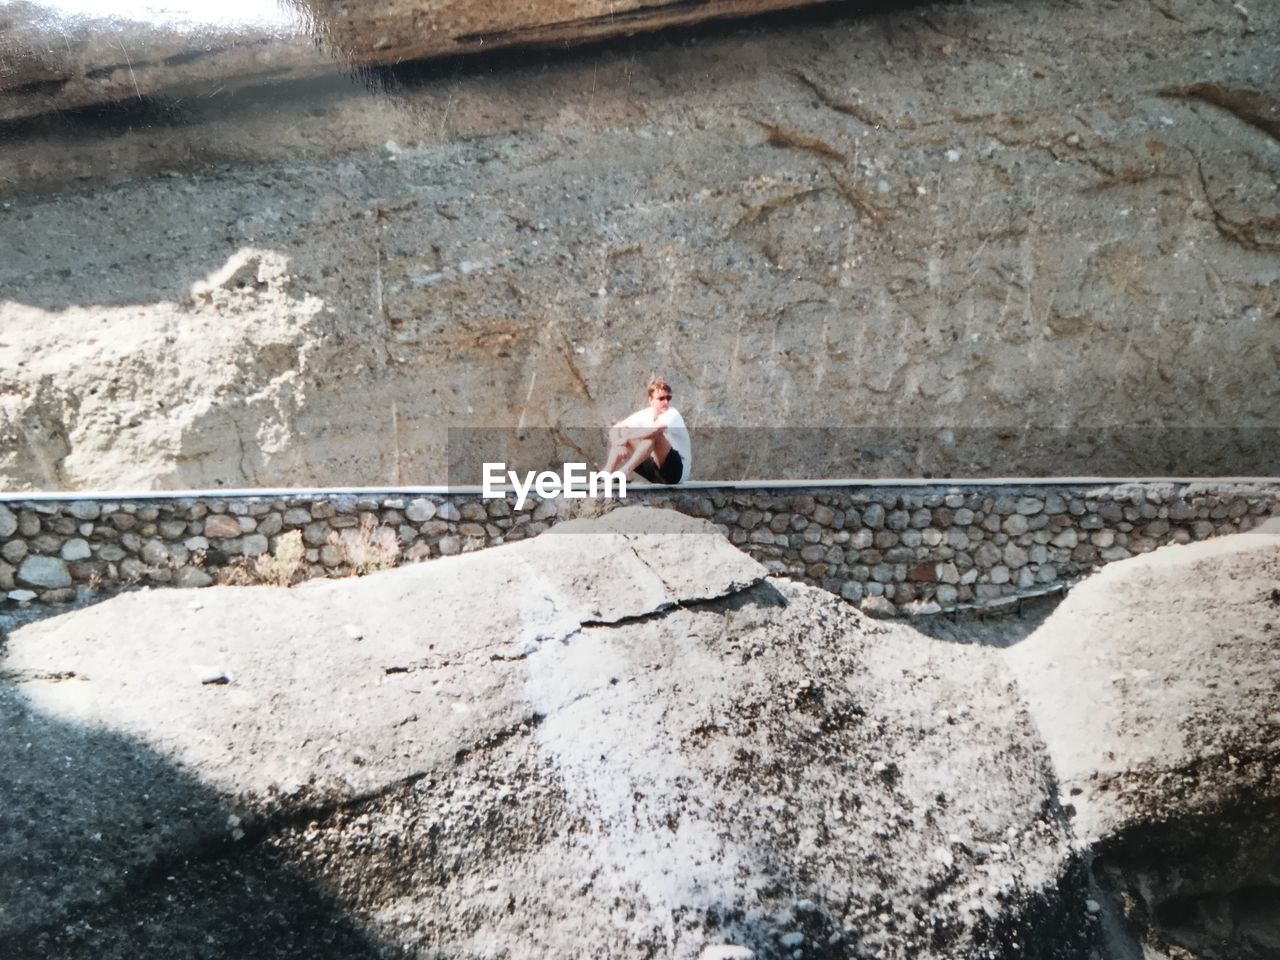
x=57, y=61
x=639, y=746
x=1009, y=217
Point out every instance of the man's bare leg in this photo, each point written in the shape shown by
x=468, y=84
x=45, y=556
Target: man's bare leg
x=656, y=447
x=629, y=454
x=661, y=447
x=617, y=453
x=640, y=451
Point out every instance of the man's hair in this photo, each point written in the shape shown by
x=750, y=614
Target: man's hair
x=656, y=384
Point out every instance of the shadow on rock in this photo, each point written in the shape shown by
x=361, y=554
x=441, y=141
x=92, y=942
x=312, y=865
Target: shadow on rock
x=108, y=850
x=1199, y=888
x=1006, y=628
x=13, y=618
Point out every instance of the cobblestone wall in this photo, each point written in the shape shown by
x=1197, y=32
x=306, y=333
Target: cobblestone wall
x=893, y=550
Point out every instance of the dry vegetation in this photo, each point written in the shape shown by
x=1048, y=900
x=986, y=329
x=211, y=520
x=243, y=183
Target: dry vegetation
x=282, y=568
x=367, y=548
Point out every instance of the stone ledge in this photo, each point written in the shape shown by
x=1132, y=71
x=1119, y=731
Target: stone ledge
x=894, y=549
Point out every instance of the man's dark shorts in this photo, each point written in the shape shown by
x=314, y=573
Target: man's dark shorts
x=671, y=471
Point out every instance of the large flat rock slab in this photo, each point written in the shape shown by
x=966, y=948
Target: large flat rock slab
x=617, y=742
x=622, y=739
x=358, y=683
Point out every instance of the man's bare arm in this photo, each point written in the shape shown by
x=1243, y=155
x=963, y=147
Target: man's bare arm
x=620, y=434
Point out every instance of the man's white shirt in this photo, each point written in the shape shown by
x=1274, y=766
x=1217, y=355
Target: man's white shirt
x=676, y=432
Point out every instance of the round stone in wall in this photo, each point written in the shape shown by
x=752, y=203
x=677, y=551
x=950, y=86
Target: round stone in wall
x=987, y=555
x=191, y=577
x=1015, y=525
x=85, y=510
x=219, y=526
x=8, y=522
x=75, y=550
x=420, y=510
x=45, y=572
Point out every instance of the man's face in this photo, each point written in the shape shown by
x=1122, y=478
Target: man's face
x=659, y=401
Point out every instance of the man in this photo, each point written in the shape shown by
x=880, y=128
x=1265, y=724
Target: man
x=652, y=442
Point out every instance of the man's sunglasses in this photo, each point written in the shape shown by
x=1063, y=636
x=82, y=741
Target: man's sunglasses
x=667, y=397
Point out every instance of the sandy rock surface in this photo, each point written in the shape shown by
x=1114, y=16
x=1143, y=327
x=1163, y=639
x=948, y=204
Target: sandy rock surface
x=640, y=745
x=993, y=230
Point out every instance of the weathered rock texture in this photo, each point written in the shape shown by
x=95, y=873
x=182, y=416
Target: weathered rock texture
x=50, y=61
x=1042, y=219
x=1162, y=721
x=635, y=746
x=900, y=550
x=55, y=62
